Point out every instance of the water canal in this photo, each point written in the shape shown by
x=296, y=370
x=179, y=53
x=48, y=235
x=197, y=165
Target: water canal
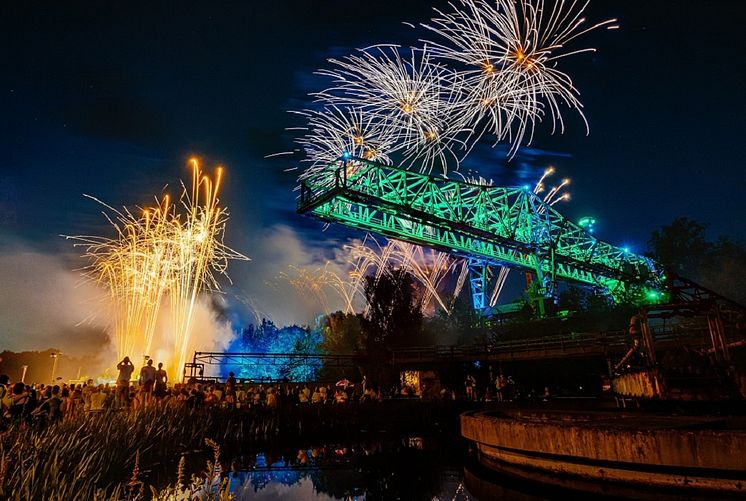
x=411, y=455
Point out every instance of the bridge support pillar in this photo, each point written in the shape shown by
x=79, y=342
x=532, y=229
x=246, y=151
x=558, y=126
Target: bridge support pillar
x=478, y=278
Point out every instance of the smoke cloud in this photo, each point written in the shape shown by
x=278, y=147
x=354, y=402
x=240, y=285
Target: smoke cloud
x=260, y=288
x=45, y=304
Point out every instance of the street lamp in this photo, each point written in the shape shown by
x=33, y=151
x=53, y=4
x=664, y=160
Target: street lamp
x=55, y=356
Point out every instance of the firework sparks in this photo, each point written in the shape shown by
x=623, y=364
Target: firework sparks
x=319, y=282
x=428, y=267
x=135, y=268
x=251, y=304
x=335, y=132
x=490, y=71
x=510, y=49
x=413, y=96
x=369, y=258
x=198, y=253
x=170, y=250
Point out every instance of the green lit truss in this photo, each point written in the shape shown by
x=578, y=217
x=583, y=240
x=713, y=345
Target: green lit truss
x=489, y=225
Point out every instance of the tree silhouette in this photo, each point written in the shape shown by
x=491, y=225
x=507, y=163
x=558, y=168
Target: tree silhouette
x=342, y=335
x=394, y=317
x=683, y=248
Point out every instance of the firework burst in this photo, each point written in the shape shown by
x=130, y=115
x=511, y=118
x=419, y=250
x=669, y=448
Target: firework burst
x=509, y=50
x=169, y=250
x=490, y=71
x=334, y=132
x=413, y=95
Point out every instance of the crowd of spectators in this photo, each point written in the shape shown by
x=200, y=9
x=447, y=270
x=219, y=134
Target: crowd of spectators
x=23, y=404
x=40, y=404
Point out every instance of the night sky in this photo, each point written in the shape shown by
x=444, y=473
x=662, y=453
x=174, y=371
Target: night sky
x=111, y=98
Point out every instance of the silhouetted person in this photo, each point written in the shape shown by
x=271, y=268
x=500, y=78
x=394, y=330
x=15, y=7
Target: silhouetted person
x=147, y=380
x=51, y=409
x=470, y=383
x=161, y=379
x=230, y=384
x=126, y=368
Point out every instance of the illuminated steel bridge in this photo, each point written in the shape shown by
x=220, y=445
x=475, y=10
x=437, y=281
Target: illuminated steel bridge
x=488, y=225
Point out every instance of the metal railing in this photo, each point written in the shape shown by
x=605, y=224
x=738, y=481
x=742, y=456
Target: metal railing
x=607, y=343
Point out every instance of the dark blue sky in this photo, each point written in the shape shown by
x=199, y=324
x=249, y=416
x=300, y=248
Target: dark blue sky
x=111, y=100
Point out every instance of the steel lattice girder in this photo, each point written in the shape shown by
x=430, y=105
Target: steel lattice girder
x=478, y=279
x=507, y=226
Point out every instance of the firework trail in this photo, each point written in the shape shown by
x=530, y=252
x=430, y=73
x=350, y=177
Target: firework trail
x=371, y=259
x=198, y=253
x=427, y=266
x=318, y=281
x=155, y=277
x=170, y=250
x=256, y=312
x=134, y=266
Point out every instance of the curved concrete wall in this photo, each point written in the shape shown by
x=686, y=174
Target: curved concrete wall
x=684, y=452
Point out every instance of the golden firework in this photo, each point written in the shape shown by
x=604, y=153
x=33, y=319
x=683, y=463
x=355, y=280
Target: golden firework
x=169, y=251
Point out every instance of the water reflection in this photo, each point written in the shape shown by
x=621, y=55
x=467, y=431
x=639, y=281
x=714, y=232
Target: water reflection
x=408, y=468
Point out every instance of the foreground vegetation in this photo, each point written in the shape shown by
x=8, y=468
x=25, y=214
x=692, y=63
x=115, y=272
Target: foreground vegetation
x=119, y=455
x=100, y=456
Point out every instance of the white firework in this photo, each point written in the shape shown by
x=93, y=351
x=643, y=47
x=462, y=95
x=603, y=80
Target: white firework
x=510, y=49
x=428, y=267
x=340, y=131
x=416, y=96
